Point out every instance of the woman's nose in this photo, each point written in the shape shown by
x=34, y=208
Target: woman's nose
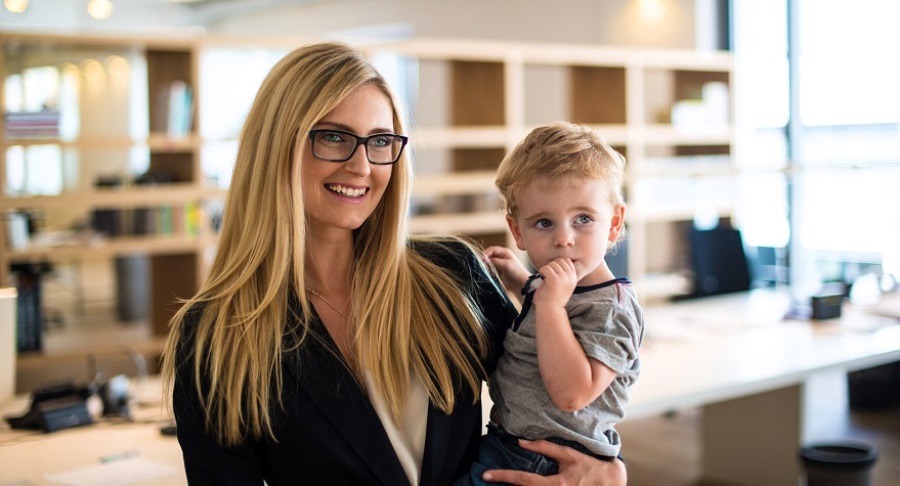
x=358, y=164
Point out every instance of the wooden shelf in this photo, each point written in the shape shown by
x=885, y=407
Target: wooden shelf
x=460, y=183
x=468, y=223
x=675, y=212
x=101, y=247
x=134, y=196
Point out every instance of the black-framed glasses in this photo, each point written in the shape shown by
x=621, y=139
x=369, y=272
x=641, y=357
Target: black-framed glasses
x=338, y=146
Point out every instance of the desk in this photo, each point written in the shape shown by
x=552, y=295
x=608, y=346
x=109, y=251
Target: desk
x=734, y=355
x=33, y=458
x=751, y=371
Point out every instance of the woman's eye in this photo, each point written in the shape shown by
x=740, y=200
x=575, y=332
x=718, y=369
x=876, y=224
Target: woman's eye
x=380, y=142
x=332, y=137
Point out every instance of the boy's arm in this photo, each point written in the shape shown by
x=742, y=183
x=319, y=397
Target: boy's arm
x=573, y=380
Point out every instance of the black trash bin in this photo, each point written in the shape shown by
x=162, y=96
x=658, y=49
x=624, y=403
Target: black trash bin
x=839, y=463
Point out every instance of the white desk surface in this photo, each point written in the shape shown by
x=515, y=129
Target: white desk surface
x=76, y=455
x=694, y=353
x=717, y=348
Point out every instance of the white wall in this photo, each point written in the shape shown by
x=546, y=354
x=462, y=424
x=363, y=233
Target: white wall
x=621, y=22
x=70, y=16
x=665, y=23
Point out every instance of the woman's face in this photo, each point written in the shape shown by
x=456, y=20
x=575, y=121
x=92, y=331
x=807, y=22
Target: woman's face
x=344, y=194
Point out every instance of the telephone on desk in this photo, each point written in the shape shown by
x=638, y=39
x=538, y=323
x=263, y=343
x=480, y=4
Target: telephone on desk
x=55, y=406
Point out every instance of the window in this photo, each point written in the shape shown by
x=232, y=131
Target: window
x=844, y=158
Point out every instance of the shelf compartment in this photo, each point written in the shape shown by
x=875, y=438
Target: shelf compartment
x=598, y=95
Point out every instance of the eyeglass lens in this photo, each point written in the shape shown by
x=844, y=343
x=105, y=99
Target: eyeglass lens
x=338, y=146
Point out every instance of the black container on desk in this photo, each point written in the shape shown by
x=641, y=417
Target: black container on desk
x=839, y=463
x=29, y=301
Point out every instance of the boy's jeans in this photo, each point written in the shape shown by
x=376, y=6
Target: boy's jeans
x=500, y=450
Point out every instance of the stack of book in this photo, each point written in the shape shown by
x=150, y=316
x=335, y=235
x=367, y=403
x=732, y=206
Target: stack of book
x=32, y=124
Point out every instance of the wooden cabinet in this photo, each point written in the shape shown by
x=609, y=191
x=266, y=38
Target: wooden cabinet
x=100, y=149
x=668, y=111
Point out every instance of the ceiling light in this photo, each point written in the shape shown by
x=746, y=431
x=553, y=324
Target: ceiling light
x=100, y=9
x=15, y=6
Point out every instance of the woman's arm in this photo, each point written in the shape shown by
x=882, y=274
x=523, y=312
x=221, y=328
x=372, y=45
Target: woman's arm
x=575, y=468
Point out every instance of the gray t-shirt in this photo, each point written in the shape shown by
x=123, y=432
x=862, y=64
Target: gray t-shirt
x=609, y=324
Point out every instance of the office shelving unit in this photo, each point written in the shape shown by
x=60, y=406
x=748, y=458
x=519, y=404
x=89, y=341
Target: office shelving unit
x=100, y=133
x=668, y=111
x=470, y=102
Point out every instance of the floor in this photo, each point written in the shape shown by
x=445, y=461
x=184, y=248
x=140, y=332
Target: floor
x=660, y=450
x=665, y=450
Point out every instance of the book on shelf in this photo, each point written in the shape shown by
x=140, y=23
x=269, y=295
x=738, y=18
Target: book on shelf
x=174, y=109
x=31, y=124
x=180, y=109
x=162, y=220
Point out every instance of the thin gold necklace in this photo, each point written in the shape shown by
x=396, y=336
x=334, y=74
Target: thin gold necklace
x=329, y=304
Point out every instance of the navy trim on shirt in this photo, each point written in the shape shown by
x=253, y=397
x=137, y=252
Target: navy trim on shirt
x=528, y=292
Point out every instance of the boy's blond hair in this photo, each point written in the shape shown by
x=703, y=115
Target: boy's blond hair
x=559, y=152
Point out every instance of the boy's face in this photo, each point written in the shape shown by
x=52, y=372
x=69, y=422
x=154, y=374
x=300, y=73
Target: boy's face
x=575, y=219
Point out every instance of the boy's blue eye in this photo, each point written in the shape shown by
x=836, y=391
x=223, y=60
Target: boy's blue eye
x=583, y=219
x=543, y=223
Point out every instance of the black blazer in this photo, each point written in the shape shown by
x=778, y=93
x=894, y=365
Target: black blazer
x=329, y=432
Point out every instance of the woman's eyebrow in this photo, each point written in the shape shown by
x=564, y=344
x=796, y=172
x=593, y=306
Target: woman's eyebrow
x=347, y=128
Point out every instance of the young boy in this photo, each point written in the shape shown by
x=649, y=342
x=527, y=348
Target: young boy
x=571, y=355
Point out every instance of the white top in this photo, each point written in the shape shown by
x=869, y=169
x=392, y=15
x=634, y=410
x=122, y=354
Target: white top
x=408, y=437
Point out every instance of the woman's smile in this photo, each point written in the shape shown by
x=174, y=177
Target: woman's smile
x=347, y=191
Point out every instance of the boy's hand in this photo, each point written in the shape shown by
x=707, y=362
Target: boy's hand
x=509, y=268
x=560, y=280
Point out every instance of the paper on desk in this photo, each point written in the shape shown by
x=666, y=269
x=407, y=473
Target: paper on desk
x=125, y=471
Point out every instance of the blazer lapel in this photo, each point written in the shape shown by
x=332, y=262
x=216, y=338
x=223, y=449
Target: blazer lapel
x=337, y=395
x=438, y=431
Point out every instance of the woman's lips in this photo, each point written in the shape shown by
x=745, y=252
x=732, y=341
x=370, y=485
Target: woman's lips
x=347, y=191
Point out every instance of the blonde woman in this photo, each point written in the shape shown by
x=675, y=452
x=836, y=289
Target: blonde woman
x=327, y=345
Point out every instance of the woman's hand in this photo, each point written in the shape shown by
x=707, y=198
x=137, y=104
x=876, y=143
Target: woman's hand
x=575, y=468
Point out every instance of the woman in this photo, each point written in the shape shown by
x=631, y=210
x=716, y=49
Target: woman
x=327, y=346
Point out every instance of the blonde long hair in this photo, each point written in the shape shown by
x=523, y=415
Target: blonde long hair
x=422, y=319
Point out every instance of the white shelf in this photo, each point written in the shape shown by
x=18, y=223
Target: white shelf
x=460, y=183
x=468, y=223
x=134, y=196
x=97, y=248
